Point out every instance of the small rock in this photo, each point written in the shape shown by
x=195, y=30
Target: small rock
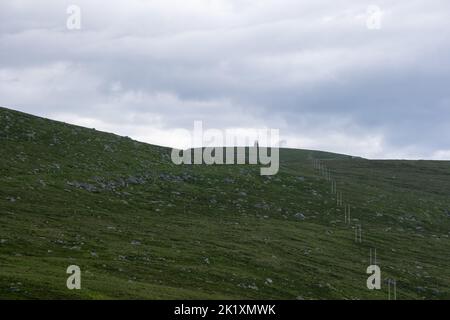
x=435, y=291
x=107, y=148
x=253, y=286
x=300, y=216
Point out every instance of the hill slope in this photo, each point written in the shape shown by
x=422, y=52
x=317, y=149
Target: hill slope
x=141, y=227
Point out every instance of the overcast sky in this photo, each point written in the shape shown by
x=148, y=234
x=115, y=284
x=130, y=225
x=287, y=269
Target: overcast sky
x=333, y=75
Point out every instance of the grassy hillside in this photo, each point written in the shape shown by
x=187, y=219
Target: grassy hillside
x=141, y=227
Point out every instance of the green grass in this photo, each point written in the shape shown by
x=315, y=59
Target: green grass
x=189, y=232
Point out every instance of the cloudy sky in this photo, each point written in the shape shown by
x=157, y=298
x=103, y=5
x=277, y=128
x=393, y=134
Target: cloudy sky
x=359, y=77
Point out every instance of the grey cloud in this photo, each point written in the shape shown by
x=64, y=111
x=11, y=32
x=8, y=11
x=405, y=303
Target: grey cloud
x=310, y=68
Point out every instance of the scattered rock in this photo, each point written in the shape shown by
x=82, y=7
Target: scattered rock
x=85, y=186
x=31, y=135
x=107, y=148
x=435, y=291
x=135, y=180
x=253, y=287
x=250, y=286
x=300, y=216
x=263, y=206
